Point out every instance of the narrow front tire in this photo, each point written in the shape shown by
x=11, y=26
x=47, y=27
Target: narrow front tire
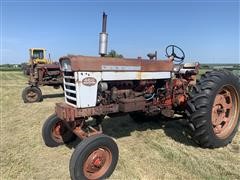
x=94, y=158
x=32, y=94
x=55, y=132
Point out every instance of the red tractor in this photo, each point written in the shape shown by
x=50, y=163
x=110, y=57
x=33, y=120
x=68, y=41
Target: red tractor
x=99, y=86
x=42, y=72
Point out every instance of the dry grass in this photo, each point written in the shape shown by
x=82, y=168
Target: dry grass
x=153, y=150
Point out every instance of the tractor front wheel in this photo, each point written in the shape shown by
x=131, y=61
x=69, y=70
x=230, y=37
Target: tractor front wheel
x=55, y=132
x=213, y=109
x=94, y=158
x=32, y=94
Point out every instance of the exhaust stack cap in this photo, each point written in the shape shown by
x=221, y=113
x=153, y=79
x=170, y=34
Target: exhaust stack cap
x=103, y=37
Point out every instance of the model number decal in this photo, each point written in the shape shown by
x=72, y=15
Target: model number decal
x=89, y=81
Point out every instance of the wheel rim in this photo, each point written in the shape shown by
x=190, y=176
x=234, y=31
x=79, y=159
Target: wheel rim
x=32, y=96
x=97, y=163
x=59, y=131
x=225, y=111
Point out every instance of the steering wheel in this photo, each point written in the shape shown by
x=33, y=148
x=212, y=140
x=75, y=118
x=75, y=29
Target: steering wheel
x=173, y=50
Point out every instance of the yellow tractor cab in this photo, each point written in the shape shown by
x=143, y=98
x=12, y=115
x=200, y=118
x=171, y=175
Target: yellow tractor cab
x=42, y=72
x=38, y=56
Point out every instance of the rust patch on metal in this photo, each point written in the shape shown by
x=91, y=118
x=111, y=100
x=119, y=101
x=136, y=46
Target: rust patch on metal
x=69, y=113
x=129, y=105
x=88, y=63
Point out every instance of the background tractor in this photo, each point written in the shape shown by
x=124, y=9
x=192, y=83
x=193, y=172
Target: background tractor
x=145, y=88
x=42, y=72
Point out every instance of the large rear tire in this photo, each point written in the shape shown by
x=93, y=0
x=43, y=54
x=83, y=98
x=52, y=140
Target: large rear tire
x=94, y=158
x=213, y=109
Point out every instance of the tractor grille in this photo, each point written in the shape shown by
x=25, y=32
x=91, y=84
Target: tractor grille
x=70, y=88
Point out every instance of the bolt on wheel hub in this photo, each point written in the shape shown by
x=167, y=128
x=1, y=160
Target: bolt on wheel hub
x=224, y=111
x=97, y=163
x=31, y=96
x=58, y=131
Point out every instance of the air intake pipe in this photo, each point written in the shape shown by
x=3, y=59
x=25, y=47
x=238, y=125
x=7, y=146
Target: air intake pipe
x=103, y=37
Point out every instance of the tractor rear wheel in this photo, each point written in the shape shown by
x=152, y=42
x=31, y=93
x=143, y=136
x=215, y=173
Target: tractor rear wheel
x=55, y=132
x=94, y=158
x=32, y=94
x=213, y=109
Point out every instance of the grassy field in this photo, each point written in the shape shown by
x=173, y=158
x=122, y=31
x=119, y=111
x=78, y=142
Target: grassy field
x=154, y=150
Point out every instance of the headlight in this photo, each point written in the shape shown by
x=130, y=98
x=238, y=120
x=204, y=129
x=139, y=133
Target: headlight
x=65, y=65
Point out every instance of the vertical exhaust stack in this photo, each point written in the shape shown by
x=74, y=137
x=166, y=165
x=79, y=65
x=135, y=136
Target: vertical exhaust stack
x=103, y=37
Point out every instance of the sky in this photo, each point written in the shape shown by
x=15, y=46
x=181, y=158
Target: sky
x=207, y=31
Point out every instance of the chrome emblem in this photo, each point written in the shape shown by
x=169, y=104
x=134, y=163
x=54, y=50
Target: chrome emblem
x=89, y=81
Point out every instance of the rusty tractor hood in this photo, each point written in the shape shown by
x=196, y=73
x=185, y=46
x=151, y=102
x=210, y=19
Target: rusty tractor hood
x=88, y=63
